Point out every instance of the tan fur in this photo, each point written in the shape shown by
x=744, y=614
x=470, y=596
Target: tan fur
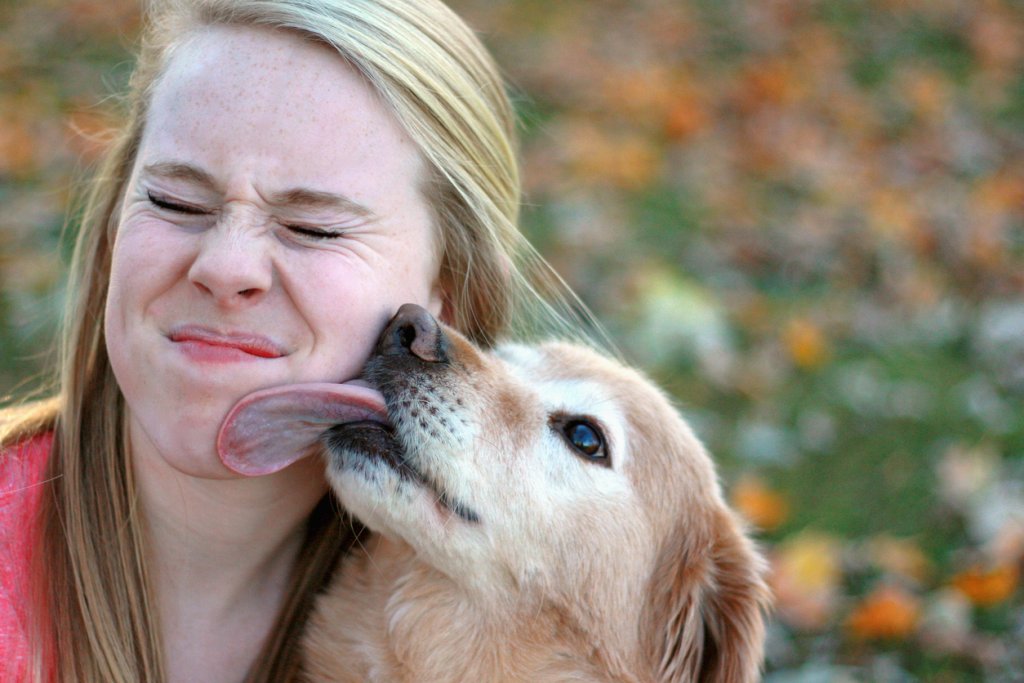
x=574, y=571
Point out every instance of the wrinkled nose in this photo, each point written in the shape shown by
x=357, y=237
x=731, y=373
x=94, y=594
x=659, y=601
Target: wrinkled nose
x=232, y=267
x=414, y=332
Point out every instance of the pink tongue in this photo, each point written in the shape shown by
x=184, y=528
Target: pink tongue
x=270, y=429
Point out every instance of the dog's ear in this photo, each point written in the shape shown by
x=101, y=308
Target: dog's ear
x=705, y=616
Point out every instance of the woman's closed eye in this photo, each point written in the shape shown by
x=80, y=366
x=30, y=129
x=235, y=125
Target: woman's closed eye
x=161, y=202
x=314, y=233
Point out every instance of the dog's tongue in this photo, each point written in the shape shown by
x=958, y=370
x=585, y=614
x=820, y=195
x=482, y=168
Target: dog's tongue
x=270, y=429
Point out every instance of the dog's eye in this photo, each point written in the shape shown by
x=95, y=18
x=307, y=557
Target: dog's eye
x=585, y=438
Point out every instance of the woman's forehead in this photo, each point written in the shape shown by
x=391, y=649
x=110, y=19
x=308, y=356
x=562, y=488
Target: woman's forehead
x=276, y=76
x=274, y=106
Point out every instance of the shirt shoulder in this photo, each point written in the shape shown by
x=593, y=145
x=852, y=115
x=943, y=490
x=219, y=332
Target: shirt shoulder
x=22, y=467
x=21, y=470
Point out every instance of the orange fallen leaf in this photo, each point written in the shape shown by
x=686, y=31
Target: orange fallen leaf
x=985, y=586
x=596, y=156
x=685, y=117
x=639, y=93
x=806, y=343
x=892, y=214
x=929, y=92
x=760, y=505
x=888, y=613
x=806, y=571
x=769, y=81
x=17, y=148
x=996, y=39
x=1003, y=191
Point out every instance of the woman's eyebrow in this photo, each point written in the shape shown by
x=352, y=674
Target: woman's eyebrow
x=318, y=199
x=180, y=171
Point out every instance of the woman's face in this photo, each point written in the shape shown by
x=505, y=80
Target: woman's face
x=272, y=224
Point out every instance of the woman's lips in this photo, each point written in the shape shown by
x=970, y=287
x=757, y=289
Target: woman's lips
x=204, y=344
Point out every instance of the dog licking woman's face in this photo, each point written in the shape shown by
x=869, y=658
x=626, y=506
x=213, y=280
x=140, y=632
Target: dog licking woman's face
x=518, y=465
x=549, y=478
x=505, y=470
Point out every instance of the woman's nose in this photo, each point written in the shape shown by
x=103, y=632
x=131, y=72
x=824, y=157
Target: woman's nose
x=232, y=265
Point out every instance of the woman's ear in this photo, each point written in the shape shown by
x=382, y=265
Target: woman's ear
x=706, y=607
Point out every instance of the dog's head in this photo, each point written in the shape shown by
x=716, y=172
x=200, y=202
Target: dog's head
x=545, y=477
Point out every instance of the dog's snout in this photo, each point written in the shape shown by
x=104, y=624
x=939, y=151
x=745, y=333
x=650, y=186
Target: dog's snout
x=413, y=331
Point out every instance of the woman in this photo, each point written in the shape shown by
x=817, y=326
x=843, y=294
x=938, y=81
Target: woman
x=289, y=174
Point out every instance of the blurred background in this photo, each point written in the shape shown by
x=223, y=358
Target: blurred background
x=805, y=219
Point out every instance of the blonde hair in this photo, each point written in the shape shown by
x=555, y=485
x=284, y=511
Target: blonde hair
x=95, y=609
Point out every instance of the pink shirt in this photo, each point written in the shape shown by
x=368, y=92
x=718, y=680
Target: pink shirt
x=21, y=473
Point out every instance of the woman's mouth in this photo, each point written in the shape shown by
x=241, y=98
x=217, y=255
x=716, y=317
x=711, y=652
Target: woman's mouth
x=204, y=344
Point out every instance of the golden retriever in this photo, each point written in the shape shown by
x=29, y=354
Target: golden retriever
x=541, y=513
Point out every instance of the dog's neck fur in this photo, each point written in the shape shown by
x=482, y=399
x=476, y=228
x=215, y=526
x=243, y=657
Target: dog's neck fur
x=391, y=617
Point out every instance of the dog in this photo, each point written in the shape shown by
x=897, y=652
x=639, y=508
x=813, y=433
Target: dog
x=541, y=513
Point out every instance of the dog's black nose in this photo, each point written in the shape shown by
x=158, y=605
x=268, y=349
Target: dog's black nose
x=413, y=331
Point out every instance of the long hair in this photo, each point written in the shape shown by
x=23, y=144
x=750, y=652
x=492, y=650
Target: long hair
x=94, y=608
